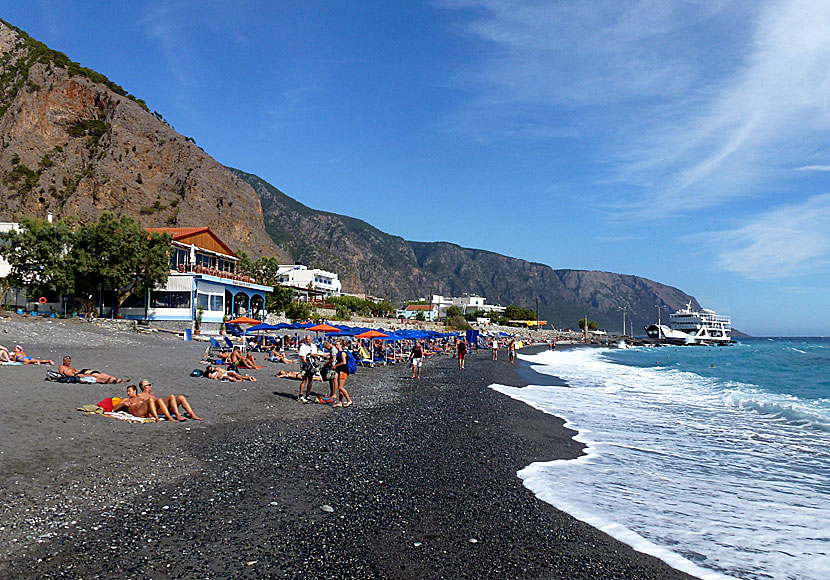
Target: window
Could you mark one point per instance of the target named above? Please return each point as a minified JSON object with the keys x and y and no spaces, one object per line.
{"x":217,"y":303}
{"x":163,"y":299}
{"x":202,"y":300}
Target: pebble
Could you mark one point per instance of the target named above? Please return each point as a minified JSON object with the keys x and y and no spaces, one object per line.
{"x":326,"y":508}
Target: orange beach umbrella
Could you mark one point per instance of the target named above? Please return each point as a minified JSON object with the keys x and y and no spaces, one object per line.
{"x":323,"y":328}
{"x":245,"y":320}
{"x":371,"y":334}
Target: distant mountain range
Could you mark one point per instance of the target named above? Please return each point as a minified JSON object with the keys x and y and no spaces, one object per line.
{"x":72,"y":142}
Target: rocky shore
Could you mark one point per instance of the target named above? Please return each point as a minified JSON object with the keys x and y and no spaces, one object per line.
{"x":416,"y":480}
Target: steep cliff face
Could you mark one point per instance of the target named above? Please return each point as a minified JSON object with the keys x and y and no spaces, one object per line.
{"x":369,"y":260}
{"x":75,"y":144}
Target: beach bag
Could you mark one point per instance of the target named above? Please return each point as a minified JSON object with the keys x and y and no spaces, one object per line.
{"x":351,"y":364}
{"x":53,"y":376}
{"x":196,"y":373}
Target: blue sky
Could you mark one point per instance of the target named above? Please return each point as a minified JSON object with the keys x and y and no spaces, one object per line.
{"x":686,"y":142}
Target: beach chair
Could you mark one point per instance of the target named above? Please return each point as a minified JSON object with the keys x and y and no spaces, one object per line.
{"x":215,"y":346}
{"x":363,"y":358}
{"x":234,"y":329}
{"x":231,"y":345}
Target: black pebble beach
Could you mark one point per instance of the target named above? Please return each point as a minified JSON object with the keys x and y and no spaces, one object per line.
{"x":416,"y":480}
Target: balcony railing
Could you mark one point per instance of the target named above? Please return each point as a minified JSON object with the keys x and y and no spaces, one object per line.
{"x":212,"y":271}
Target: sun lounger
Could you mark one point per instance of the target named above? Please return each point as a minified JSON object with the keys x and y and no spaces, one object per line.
{"x":214,"y":345}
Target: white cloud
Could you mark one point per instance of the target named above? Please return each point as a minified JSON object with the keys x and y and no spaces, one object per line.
{"x":689,"y":104}
{"x":813,"y":168}
{"x":789,"y":240}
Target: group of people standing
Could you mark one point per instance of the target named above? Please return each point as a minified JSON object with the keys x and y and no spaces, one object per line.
{"x":332,"y":363}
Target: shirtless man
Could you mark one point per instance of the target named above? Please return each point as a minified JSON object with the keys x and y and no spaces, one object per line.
{"x":66,"y":370}
{"x":137,"y":406}
{"x":21,"y":356}
{"x":240,"y":360}
{"x":218,"y":373}
{"x":170,"y":402}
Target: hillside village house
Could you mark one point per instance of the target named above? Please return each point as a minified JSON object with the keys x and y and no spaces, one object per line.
{"x":410,"y":312}
{"x":320,"y":281}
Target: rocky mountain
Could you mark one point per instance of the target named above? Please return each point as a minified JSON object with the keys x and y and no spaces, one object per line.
{"x":73,"y":143}
{"x":371,"y":261}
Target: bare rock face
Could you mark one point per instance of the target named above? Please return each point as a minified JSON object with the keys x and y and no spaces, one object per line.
{"x":72,"y":143}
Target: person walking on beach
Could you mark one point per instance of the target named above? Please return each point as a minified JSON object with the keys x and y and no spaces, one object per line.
{"x":329,"y":359}
{"x":341,"y":367}
{"x":495,"y":348}
{"x":308,"y":351}
{"x":461,"y":347}
{"x":511,"y":351}
{"x":417,"y":359}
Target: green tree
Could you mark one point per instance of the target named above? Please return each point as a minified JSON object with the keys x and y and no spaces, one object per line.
{"x":471,"y":316}
{"x":279,"y":299}
{"x":591,"y":324}
{"x":420,"y":316}
{"x":299,"y":311}
{"x":119,"y":255}
{"x":38,"y":256}
{"x":453,"y":311}
{"x":457,"y":322}
{"x":514,"y":312}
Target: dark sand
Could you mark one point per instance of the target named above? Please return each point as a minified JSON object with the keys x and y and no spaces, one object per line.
{"x":415,"y":471}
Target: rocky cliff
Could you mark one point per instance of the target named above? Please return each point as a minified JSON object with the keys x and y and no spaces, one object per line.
{"x":74,"y":143}
{"x":371,"y":261}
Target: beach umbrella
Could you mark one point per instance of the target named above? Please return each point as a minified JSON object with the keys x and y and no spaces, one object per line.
{"x":324,"y":328}
{"x":372,"y":334}
{"x":245,"y":320}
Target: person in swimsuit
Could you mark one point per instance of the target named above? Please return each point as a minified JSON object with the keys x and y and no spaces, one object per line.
{"x":294,"y":375}
{"x":341,"y":368}
{"x":169,"y":403}
{"x":218,"y":373}
{"x":137,"y":406}
{"x":66,"y":370}
{"x":5,"y":355}
{"x":21,"y":356}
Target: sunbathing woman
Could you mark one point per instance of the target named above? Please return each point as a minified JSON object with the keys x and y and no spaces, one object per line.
{"x":5,"y":355}
{"x":218,"y":373}
{"x":21,"y":356}
{"x":137,"y":406}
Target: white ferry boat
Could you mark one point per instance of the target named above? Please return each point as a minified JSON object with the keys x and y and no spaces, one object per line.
{"x":691,"y":326}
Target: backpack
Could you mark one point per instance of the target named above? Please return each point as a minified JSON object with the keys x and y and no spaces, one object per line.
{"x":351,"y":364}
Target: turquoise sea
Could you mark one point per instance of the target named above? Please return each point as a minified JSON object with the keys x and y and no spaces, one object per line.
{"x":716,"y":460}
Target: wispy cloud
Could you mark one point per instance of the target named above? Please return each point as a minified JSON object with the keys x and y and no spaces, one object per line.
{"x":688,"y":105}
{"x":789,"y":240}
{"x":813,"y":168}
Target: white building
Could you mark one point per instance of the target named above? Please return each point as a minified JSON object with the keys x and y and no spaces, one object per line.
{"x":467,"y":303}
{"x":5,"y":268}
{"x":300,"y":276}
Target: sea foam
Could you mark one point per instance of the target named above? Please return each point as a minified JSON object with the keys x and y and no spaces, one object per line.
{"x":717,"y":478}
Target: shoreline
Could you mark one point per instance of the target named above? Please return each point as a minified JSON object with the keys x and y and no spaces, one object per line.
{"x":414,"y":471}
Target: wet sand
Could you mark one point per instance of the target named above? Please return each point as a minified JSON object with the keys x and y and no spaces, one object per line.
{"x":421,"y":475}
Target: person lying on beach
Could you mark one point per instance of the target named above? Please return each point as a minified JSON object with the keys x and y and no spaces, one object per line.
{"x":21,"y":356}
{"x":241,"y":360}
{"x":218,"y":373}
{"x":295,"y":375}
{"x":137,"y":406}
{"x":5,"y":355}
{"x":170,"y":402}
{"x":66,"y":370}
